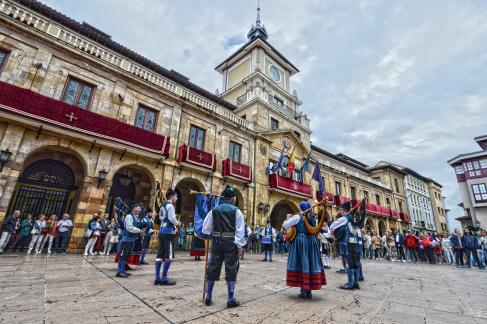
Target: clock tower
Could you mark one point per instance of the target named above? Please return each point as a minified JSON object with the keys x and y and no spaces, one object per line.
{"x":256,"y":79}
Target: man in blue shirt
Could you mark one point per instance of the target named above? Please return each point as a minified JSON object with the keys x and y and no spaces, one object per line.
{"x":168,"y":223}
{"x":131,"y":232}
{"x":149,"y":230}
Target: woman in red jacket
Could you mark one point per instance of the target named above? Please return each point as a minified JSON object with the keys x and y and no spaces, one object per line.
{"x":50,"y":233}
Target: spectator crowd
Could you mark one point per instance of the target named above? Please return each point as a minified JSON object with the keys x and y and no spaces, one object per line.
{"x":42,"y":233}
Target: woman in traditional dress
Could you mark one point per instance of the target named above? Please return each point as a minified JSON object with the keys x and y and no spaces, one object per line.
{"x":304,"y":265}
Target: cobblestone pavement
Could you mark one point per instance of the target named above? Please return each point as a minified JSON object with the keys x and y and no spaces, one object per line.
{"x":70,"y":288}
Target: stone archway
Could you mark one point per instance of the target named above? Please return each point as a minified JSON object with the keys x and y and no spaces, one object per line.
{"x":49,"y":183}
{"x":186,"y":202}
{"x":132,"y":184}
{"x":369,"y":224}
{"x":382,"y":227}
{"x":240,"y":203}
{"x":280,"y":211}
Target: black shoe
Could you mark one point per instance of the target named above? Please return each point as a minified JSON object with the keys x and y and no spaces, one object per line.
{"x":341,"y":271}
{"x":167,"y":282}
{"x":309,"y":294}
{"x":347,"y":287}
{"x":270,"y":260}
{"x":303,"y":295}
{"x":143,"y":263}
{"x":233,"y":303}
{"x":157,"y":282}
{"x":207,"y":302}
{"x":361,"y":279}
{"x":121,"y":275}
{"x":128,"y":274}
{"x":127,"y":268}
{"x":327,"y":267}
{"x":264,"y":260}
{"x":356,"y":286}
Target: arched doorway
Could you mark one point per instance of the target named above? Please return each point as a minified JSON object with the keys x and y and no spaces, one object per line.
{"x":48,"y":184}
{"x":382,"y":228}
{"x":132,"y":185}
{"x":369,"y":224}
{"x":280,"y":211}
{"x":186,"y":202}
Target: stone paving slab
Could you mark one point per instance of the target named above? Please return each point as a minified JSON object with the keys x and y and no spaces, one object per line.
{"x":75,"y":289}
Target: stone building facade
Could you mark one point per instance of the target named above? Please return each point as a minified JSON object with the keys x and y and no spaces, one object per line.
{"x":84,"y":120}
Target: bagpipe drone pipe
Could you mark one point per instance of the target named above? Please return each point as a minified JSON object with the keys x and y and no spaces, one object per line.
{"x":311,"y":227}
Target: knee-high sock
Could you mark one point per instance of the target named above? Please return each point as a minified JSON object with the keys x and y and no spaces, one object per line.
{"x":243,"y":252}
{"x":265,"y":254}
{"x":158,"y":269}
{"x":165,"y":269}
{"x":355,"y":275}
{"x":230,"y":290}
{"x":350,"y":275}
{"x":344,"y":263}
{"x":142,"y":255}
{"x":209,"y":289}
{"x":270,"y":255}
{"x":121,"y":266}
{"x":360,"y":274}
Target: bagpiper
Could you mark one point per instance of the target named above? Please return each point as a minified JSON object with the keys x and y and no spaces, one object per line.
{"x":168,"y":223}
{"x":268,"y":236}
{"x":131,"y":232}
{"x":304,"y":266}
{"x":346,"y":229}
{"x":149,"y":225}
{"x":225,"y":224}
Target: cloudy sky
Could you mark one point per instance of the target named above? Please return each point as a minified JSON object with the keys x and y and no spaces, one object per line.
{"x":403,"y":81}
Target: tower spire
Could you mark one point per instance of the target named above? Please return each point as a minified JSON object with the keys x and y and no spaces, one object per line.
{"x":257,"y":31}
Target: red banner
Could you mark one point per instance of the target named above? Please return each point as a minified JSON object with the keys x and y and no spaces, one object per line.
{"x":286,"y":184}
{"x":26,"y":103}
{"x":237,"y":170}
{"x":197,"y":157}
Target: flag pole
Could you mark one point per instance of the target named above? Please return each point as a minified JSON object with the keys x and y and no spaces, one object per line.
{"x":207,"y":247}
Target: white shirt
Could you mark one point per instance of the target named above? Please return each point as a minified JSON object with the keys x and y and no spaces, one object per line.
{"x":288,"y":223}
{"x":64,"y":225}
{"x":129,"y":224}
{"x":171,"y":214}
{"x":239,"y":227}
{"x":339,"y":222}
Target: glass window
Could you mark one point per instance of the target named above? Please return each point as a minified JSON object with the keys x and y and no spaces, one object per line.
{"x":197,"y":137}
{"x":366,"y":194}
{"x":388,"y":202}
{"x":353,"y":192}
{"x":234,"y":151}
{"x":338,"y":188}
{"x":78,"y":93}
{"x":483,"y":164}
{"x":469,"y":166}
{"x":377,"y":199}
{"x":145,"y":118}
{"x":396,"y":183}
{"x":479,"y":192}
{"x":274,"y":124}
{"x":476,"y":165}
{"x":3,"y":58}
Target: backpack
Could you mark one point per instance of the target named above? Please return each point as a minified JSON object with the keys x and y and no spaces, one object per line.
{"x":157,"y":219}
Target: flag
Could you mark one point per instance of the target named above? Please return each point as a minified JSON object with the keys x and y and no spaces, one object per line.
{"x":201,"y":208}
{"x":317,"y":177}
{"x":306,"y":164}
{"x":280,"y":163}
{"x":291,"y":164}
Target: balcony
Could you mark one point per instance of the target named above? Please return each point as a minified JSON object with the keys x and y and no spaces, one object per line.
{"x":394,"y":214}
{"x":236,"y":170}
{"x":340,"y":200}
{"x":328,"y":196}
{"x":289,"y":186}
{"x":405,"y":217}
{"x":199,"y":158}
{"x":286,"y":110}
{"x":46,"y":111}
{"x":378,"y":210}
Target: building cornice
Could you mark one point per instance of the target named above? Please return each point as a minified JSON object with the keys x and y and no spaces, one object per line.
{"x":27,"y":18}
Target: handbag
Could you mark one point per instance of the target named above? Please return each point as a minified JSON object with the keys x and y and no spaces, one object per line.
{"x":114,"y":239}
{"x":33,"y":231}
{"x":88,"y":233}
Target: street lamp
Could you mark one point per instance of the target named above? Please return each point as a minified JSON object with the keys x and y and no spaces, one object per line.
{"x":4,"y":157}
{"x":260,"y":207}
{"x":102,"y":176}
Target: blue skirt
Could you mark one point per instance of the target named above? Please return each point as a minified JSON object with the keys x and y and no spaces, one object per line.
{"x":304,"y":265}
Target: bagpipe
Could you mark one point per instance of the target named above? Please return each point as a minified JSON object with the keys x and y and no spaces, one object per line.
{"x":204,"y":203}
{"x":121,"y":209}
{"x":308,"y":223}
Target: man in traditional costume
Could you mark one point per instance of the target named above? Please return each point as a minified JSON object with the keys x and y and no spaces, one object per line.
{"x":167,"y":230}
{"x":225,"y":224}
{"x":304,"y":266}
{"x":197,"y":248}
{"x":132,"y":230}
{"x":346,"y":229}
{"x":326,"y":241}
{"x":149,"y":225}
{"x":268,"y":235}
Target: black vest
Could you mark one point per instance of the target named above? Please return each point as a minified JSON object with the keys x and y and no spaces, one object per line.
{"x":224,"y":219}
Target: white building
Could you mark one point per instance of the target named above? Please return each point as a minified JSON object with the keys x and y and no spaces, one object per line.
{"x":419,"y":201}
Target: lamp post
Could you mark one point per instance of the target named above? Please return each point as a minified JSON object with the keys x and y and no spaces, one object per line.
{"x":102,"y":176}
{"x":4,"y":157}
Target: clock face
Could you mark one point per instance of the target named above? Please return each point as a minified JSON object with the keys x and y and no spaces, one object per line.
{"x":274,"y":73}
